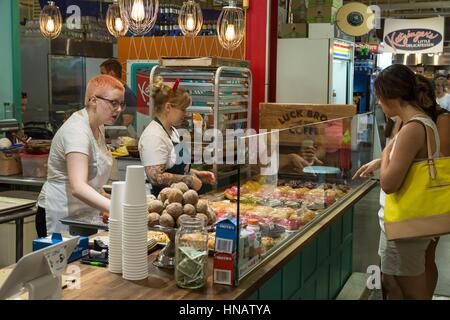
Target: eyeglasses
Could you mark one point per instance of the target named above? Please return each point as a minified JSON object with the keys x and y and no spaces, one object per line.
{"x":114,"y":103}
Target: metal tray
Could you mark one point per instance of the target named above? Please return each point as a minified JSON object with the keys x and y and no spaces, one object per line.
{"x":10,"y":204}
{"x":85,"y":220}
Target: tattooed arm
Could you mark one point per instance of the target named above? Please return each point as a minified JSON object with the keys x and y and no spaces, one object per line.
{"x":158,"y":176}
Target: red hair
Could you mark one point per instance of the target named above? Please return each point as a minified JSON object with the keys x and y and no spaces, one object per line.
{"x":101,"y":83}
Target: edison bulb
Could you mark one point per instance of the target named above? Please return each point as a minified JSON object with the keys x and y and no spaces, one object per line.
{"x":230,"y":33}
{"x":190,"y":26}
{"x":50,"y":25}
{"x":137,"y":11}
{"x":118,"y":24}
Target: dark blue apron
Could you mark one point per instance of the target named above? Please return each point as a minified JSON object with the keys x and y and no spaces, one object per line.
{"x":178,"y":169}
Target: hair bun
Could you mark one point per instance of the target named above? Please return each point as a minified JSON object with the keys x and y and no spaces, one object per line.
{"x":423,"y":92}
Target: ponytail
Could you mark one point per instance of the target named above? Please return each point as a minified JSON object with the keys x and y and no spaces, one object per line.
{"x":425,"y":97}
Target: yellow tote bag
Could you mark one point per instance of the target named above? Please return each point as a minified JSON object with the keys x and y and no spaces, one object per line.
{"x":421,"y":208}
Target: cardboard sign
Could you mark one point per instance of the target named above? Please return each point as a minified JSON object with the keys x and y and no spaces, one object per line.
{"x":294,"y":119}
{"x":414,"y":35}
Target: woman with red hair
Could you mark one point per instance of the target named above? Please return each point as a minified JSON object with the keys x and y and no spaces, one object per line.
{"x":79,"y":163}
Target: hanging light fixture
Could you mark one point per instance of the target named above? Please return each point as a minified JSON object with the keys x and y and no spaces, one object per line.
{"x":231,"y":26}
{"x":50,"y":21}
{"x":140,"y":14}
{"x":190,"y":19}
{"x":116,"y":24}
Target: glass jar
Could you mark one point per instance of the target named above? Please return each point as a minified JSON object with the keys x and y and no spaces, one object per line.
{"x":191,"y":254}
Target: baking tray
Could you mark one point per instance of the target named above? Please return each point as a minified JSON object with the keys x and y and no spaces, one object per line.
{"x":9,"y":204}
{"x":90,"y":220}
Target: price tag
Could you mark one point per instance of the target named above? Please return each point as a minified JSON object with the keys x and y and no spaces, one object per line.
{"x":57,"y":260}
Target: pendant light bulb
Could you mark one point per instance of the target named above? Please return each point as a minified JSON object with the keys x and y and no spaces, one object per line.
{"x":231,"y":26}
{"x":190,"y":22}
{"x":138,"y":12}
{"x":50,"y":27}
{"x":50,"y":21}
{"x":115,"y":22}
{"x":139,"y":15}
{"x":190,"y":18}
{"x":230,"y":34}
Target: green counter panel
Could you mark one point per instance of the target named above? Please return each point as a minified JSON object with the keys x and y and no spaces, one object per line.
{"x":319,"y":271}
{"x":309,"y":260}
{"x":272,"y":289}
{"x":292,"y":277}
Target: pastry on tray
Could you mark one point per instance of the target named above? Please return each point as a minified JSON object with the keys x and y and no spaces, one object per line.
{"x":160,"y":237}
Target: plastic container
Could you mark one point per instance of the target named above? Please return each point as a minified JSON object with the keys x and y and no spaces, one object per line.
{"x":34,"y":165}
{"x":191,"y":254}
{"x":244,"y":246}
{"x":253,"y":224}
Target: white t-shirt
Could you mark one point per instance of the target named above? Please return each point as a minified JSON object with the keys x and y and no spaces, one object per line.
{"x":444,"y":102}
{"x":155,"y":146}
{"x":75,"y":135}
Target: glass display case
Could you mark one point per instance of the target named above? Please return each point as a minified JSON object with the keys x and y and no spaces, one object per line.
{"x":299,"y":175}
{"x":221,"y":101}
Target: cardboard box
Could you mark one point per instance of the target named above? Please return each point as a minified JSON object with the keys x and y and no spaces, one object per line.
{"x":10,"y":164}
{"x":321,"y":14}
{"x":80,"y":250}
{"x":226,"y":236}
{"x":332,"y":3}
{"x":298,"y":11}
{"x":294,"y":30}
{"x":321,"y":31}
{"x":224,"y":268}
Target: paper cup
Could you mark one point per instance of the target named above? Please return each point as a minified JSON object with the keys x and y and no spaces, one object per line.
{"x":117,"y":199}
{"x":135,"y":186}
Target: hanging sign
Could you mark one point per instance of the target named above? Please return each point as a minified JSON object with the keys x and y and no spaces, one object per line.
{"x":414,"y":35}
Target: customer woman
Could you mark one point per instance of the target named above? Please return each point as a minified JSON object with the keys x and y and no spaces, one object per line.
{"x":79,"y":162}
{"x":443,"y":98}
{"x":402,"y":94}
{"x":164,"y":162}
{"x":443,"y":126}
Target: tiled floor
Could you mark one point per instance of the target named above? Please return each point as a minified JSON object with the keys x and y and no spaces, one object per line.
{"x":365,"y":244}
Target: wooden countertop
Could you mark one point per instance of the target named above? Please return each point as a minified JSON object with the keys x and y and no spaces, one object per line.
{"x":99,"y":283}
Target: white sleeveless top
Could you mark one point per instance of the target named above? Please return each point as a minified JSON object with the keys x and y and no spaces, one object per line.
{"x":429,"y":123}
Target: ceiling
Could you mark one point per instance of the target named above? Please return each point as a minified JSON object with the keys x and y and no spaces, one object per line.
{"x":410,"y":8}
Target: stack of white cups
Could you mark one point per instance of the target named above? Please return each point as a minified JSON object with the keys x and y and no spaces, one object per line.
{"x":115,"y":227}
{"x":134,"y":226}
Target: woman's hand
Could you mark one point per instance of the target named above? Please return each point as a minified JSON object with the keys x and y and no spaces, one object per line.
{"x":309,"y":155}
{"x":206,"y":176}
{"x":105,"y":216}
{"x":298,"y":162}
{"x":196,"y":183}
{"x":367,"y":170}
{"x":105,"y":194}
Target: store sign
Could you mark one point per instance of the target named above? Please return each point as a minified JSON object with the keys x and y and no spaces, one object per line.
{"x":296,"y":117}
{"x":414,"y":35}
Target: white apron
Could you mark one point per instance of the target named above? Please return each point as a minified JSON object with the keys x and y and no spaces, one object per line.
{"x":59,"y":200}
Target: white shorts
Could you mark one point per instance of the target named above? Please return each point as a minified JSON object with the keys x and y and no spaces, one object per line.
{"x":402,"y":257}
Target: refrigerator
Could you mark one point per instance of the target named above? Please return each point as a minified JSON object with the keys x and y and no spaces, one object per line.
{"x":315,"y":71}
{"x":55,"y":74}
